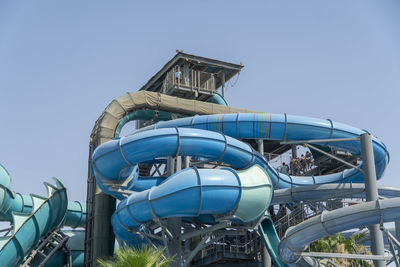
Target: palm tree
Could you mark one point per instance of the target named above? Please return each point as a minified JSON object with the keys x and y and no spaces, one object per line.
{"x":339,"y":244}
{"x":145,"y":257}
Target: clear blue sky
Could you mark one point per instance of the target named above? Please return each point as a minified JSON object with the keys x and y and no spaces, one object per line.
{"x":62,"y":62}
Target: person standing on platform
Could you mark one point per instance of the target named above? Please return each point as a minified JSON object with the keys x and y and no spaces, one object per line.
{"x":284,"y":168}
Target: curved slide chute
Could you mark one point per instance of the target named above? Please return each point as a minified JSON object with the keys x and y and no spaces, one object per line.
{"x":33,"y":217}
{"x":30,"y":228}
{"x":115,"y":161}
{"x":329,"y":191}
{"x":283,"y":127}
{"x":234,"y":191}
{"x":298,"y":237}
{"x":271,"y":240}
{"x":213,"y":138}
{"x":193,"y":192}
{"x":316,"y":193}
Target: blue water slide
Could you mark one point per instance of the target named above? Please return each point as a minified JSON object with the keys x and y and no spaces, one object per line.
{"x":192,"y":192}
{"x":116,"y":160}
{"x":283,"y":127}
{"x":214,"y":138}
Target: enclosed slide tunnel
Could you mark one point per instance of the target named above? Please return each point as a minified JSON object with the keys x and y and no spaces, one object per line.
{"x":115,"y":161}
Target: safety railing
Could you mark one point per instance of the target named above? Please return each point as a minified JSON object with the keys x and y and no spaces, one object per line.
{"x":189,"y":79}
{"x":238,"y":247}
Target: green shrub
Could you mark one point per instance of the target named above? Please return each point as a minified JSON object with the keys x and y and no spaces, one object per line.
{"x":145,"y":257}
{"x":339,"y":244}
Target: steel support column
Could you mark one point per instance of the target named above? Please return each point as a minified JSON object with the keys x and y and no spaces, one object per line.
{"x":223,"y":83}
{"x":371,"y":191}
{"x":397,"y":228}
{"x":294,"y":151}
{"x":186,"y":162}
{"x":260,"y":143}
{"x":265,"y":257}
{"x":174,"y":224}
{"x":103,"y":235}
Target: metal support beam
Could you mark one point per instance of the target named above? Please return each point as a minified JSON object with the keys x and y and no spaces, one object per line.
{"x":103,"y":235}
{"x":199,"y":247}
{"x":174,"y":244}
{"x":332,"y":263}
{"x":174,"y":224}
{"x":223,"y":83}
{"x":265,"y":257}
{"x":170,"y":166}
{"x":178,"y":163}
{"x":260,"y":143}
{"x":299,"y":142}
{"x":392,"y":238}
{"x":395,"y":258}
{"x":371,"y":190}
{"x":205,"y":230}
{"x":294,"y":151}
{"x":397,"y":228}
{"x":148,"y":235}
{"x":334,"y":157}
{"x":186,"y":162}
{"x":379,"y":258}
{"x":156,"y":170}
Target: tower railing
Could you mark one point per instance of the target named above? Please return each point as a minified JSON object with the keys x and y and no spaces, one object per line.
{"x":193,"y":80}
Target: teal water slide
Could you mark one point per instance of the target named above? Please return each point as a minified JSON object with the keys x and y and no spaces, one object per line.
{"x":33,"y":218}
{"x":271,"y":240}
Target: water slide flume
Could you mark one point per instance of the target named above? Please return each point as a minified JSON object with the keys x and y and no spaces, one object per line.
{"x":33,"y":217}
{"x":244,"y":195}
{"x":271,"y":240}
{"x":283,"y":127}
{"x":115,"y":161}
{"x":211,"y":138}
{"x":192,"y":192}
{"x":29,"y":228}
{"x":297,"y":238}
{"x":329,"y":191}
{"x":315,"y":193}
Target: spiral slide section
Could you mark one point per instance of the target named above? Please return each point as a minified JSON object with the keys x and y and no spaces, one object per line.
{"x":33,"y":217}
{"x":283,"y":127}
{"x":243,"y":195}
{"x":215,"y":138}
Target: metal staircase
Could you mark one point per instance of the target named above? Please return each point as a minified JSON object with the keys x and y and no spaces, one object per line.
{"x":55,"y":241}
